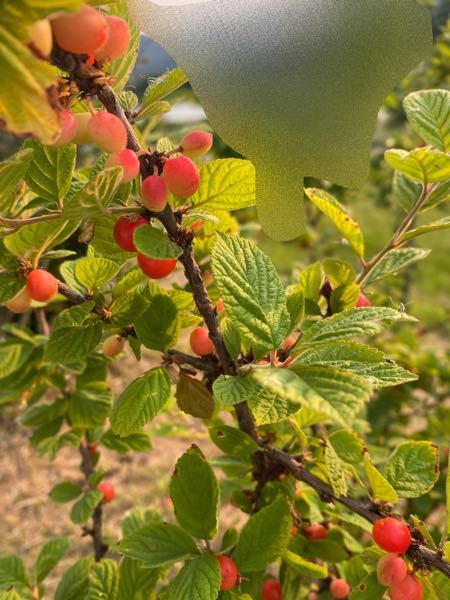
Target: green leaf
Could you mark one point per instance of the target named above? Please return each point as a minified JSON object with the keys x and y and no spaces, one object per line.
{"x":92,"y":273}
{"x":428,"y":228}
{"x":359,"y":359}
{"x":158,"y":544}
{"x":231,"y":337}
{"x":74,"y":584}
{"x":12,"y":572}
{"x":85,"y":506}
{"x":72,"y":344}
{"x":304,"y":567}
{"x":38,"y":237}
{"x":104,"y":243}
{"x":122,"y":67}
{"x":154,"y":243}
{"x":12,"y":171}
{"x":65,"y":492}
{"x":138,"y":442}
{"x":92,"y":200}
{"x":347,"y":445}
{"x":311,"y":281}
{"x":381,"y":488}
{"x":295,"y":303}
{"x":90,"y":406}
{"x":339,"y":272}
{"x":163,"y":86}
{"x":335,"y":471}
{"x":158,"y":328}
{"x":104,"y":581}
{"x":395,"y":260}
{"x":425,"y":165}
{"x":140,"y":402}
{"x":49,"y":556}
{"x":155,"y":109}
{"x":195,"y":494}
{"x":50,"y":171}
{"x":193,"y":397}
{"x":350,"y":229}
{"x":24,"y":82}
{"x":335,"y":394}
{"x":264,"y":538}
{"x":447,"y":490}
{"x":428,"y":113}
{"x":368,"y":589}
{"x":344,"y":297}
{"x":233,"y":441}
{"x":252,"y":292}
{"x":351,"y":323}
{"x":413,"y":469}
{"x":226,"y":184}
{"x":10,"y":285}
{"x":135,"y":581}
{"x":199,"y":578}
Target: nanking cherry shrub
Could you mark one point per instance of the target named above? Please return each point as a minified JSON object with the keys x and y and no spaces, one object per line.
{"x":103,"y":353}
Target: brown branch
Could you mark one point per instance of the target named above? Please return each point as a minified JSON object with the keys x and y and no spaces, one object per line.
{"x":206,"y":364}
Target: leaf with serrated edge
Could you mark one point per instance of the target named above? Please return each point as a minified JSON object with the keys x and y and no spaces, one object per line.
{"x":84,"y":507}
{"x":395,"y":260}
{"x":335,"y":471}
{"x":381,"y":488}
{"x":49,"y":556}
{"x":154,"y":243}
{"x":413,"y":468}
{"x":50,"y":171}
{"x":199,"y":579}
{"x":426,"y":165}
{"x":428,"y":113}
{"x":92,"y":200}
{"x":104,"y":580}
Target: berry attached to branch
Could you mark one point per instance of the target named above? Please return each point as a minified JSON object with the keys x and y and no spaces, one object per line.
{"x":156,"y":268}
{"x":108,"y":491}
{"x":117,"y":42}
{"x":391,"y":569}
{"x":200,"y":341}
{"x":124,"y":230}
{"x":113,"y":345}
{"x":196,"y":143}
{"x":392,"y":535}
{"x":154,"y":192}
{"x":409,"y":589}
{"x":21,"y":301}
{"x":41,"y":285}
{"x":363,"y":301}
{"x":81,"y":32}
{"x":68,"y":128}
{"x":82,"y":132}
{"x":271,"y":589}
{"x":339,"y":589}
{"x":315,"y":531}
{"x":181,"y":176}
{"x":129,"y":162}
{"x":229,"y":572}
{"x":107,"y":131}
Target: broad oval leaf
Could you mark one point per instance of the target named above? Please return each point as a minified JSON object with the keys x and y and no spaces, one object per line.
{"x":199,"y":578}
{"x":413,"y":468}
{"x":428,"y":113}
{"x":154,"y":243}
{"x":425,"y":165}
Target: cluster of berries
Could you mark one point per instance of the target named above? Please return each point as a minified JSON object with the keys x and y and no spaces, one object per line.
{"x":394,"y":536}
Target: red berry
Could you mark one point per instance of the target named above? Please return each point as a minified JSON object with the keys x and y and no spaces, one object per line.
{"x":93,"y":449}
{"x":154,"y":192}
{"x":391,"y":569}
{"x":41,"y":36}
{"x":339,"y":589}
{"x":392,"y":535}
{"x":408,"y":589}
{"x":196,"y":143}
{"x":81,"y":132}
{"x":289,"y":342}
{"x":21,"y":302}
{"x":363,"y":301}
{"x":68,"y":128}
{"x":271,"y":589}
{"x":313,"y":596}
{"x":156,"y":268}
{"x":117,"y":42}
{"x":80,"y":32}
{"x":108,"y":490}
{"x":124,"y":230}
{"x":41,"y":285}
{"x":181,"y":176}
{"x":315,"y":531}
{"x":197,"y":225}
{"x":113,"y":345}
{"x":294,"y":531}
{"x":220,"y":306}
{"x":229,"y":572}
{"x":107,"y":131}
{"x":201,"y":343}
{"x":129,"y":162}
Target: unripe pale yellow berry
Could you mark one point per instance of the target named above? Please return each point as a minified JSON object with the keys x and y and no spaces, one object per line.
{"x":113,"y":345}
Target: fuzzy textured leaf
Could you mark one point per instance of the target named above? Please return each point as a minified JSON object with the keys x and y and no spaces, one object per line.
{"x":413,"y":468}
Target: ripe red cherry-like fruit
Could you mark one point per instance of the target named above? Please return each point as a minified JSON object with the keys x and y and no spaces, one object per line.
{"x":117,"y":42}
{"x":181,"y":176}
{"x":229,"y":572}
{"x":68,"y":128}
{"x":196,"y":143}
{"x":21,"y":302}
{"x":315,"y":531}
{"x":156,"y":268}
{"x":80,"y":32}
{"x":200,"y":341}
{"x":391,"y":569}
{"x":41,"y":285}
{"x":271,"y":589}
{"x":408,"y":589}
{"x":108,"y":491}
{"x":154,"y":192}
{"x":124,"y":230}
{"x":392,"y":535}
{"x":363,"y":301}
{"x":339,"y":589}
{"x":113,"y":345}
{"x":107,"y":131}
{"x":129,"y":162}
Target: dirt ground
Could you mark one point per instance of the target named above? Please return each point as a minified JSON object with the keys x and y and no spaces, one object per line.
{"x":29,"y":517}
